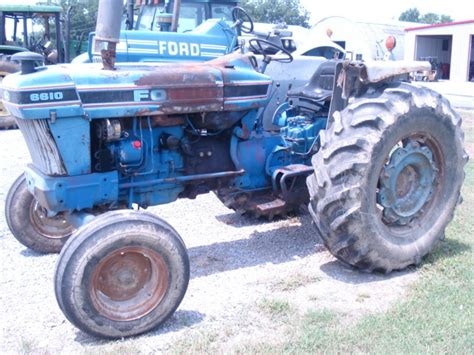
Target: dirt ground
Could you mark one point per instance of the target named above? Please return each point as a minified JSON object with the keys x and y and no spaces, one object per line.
{"x":242,"y":272}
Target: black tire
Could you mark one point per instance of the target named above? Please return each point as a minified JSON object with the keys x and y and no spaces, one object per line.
{"x":357,"y":148}
{"x":29,"y":223}
{"x":6,"y":120}
{"x":122,"y":274}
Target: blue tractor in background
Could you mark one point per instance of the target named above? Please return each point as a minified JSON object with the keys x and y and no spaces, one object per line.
{"x":175,"y":30}
{"x":378,"y":161}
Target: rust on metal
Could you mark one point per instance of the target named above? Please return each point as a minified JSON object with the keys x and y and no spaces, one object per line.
{"x":166,"y":121}
{"x":189,"y":88}
{"x":129,"y":283}
{"x":108,"y":56}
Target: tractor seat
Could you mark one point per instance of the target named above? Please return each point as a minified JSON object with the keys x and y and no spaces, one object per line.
{"x":320,"y":86}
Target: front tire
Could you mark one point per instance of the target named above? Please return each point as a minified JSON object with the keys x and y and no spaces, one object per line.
{"x":122,"y":274}
{"x":29,"y":222}
{"x":388,"y":178}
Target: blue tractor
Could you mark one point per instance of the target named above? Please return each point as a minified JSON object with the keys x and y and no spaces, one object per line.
{"x":193,"y":30}
{"x":378,"y":161}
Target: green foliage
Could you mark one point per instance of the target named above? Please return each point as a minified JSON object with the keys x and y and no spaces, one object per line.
{"x":277,"y":11}
{"x":414,"y":15}
{"x":432,"y":18}
{"x":83,"y":15}
{"x":410,"y":15}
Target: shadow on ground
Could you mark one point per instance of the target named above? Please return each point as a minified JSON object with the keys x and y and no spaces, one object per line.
{"x":238,"y":220}
{"x":179,"y":320}
{"x":347,"y":274}
{"x":446,"y":249}
{"x":344,"y":273}
{"x":275,"y":246}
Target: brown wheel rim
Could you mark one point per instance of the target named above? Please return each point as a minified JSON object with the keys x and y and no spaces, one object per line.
{"x":55,"y":227}
{"x":129,"y":283}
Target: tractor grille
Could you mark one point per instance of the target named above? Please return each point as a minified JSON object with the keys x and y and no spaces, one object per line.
{"x":42,"y":147}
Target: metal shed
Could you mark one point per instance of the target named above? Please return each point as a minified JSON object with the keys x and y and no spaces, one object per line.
{"x":449,"y":46}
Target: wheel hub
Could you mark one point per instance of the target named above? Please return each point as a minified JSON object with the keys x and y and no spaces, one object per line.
{"x":50,"y":227}
{"x":129,"y":283}
{"x":406,"y":183}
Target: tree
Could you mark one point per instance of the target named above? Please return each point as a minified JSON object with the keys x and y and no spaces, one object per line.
{"x":83,"y":15}
{"x":413,"y":15}
{"x":445,"y":19}
{"x":430,"y":18}
{"x":410,"y":15}
{"x":276,"y":11}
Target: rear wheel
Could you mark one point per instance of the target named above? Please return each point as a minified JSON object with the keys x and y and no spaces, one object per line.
{"x":6,"y":120}
{"x":30,"y":223}
{"x":122,"y":274}
{"x":388,"y":178}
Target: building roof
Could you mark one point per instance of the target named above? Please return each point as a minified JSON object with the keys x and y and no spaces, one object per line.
{"x":439,"y":25}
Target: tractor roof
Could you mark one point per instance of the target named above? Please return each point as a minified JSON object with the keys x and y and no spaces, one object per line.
{"x":32,"y":9}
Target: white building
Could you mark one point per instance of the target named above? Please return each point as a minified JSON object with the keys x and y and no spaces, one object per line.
{"x":451,"y":45}
{"x":364,"y":39}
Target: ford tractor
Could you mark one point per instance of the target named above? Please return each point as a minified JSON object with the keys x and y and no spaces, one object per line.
{"x":379,"y":163}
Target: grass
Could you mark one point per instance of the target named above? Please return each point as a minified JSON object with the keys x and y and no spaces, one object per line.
{"x":436,"y":317}
{"x":198,"y":342}
{"x":294,"y":281}
{"x":275,"y":308}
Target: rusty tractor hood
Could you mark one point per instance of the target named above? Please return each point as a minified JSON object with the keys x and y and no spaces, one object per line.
{"x":229,"y":83}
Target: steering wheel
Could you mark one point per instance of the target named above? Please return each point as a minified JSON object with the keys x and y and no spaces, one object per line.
{"x":260,"y":46}
{"x":240,"y":16}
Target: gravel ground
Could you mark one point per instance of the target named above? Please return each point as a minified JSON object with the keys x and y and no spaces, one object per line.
{"x":241,"y":269}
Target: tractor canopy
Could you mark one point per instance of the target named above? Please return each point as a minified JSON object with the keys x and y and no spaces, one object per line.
{"x":17,"y":19}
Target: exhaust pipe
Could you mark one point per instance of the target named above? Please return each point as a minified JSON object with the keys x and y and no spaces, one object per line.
{"x":107,"y":31}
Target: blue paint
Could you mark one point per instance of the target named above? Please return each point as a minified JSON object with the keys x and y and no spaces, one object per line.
{"x":155,"y":162}
{"x":213,"y":38}
{"x":62,"y":193}
{"x":72,"y":138}
{"x":407,"y":183}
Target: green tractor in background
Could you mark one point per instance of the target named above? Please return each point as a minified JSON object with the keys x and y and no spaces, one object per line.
{"x":28,"y":28}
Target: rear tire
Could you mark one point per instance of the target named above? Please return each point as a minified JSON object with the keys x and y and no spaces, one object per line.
{"x":122,"y":274}
{"x":29,"y":222}
{"x":388,"y":178}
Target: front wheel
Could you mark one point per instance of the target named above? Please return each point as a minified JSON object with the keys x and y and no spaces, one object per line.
{"x":122,"y":274}
{"x":388,"y":178}
{"x":30,"y":223}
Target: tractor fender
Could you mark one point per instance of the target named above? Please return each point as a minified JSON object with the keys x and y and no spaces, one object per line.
{"x":352,"y":78}
{"x":376,"y":71}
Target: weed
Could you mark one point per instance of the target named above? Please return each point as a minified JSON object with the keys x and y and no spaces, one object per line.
{"x":294,"y":281}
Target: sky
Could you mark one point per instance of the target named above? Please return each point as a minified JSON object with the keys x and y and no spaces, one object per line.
{"x":369,"y":9}
{"x":386,"y":10}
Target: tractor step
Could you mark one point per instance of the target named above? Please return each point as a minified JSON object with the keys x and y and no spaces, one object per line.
{"x":275,"y":206}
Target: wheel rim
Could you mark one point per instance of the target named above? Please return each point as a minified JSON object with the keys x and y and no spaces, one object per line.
{"x":129,"y":283}
{"x":50,"y":227}
{"x":407,"y":181}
